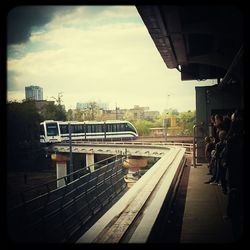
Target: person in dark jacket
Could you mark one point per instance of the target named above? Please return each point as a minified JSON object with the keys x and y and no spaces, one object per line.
{"x":209,"y":146}
{"x":234,"y":162}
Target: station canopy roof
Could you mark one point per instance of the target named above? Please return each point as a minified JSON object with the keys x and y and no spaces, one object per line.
{"x":202,"y":42}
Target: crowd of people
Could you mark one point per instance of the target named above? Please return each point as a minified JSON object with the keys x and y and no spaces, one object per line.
{"x":224,"y":152}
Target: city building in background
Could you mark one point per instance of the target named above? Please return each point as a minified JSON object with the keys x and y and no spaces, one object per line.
{"x":85,"y":105}
{"x":34,"y":93}
{"x":102,"y":112}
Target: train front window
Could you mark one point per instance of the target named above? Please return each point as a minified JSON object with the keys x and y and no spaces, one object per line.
{"x":129,"y":127}
{"x":52,"y":129}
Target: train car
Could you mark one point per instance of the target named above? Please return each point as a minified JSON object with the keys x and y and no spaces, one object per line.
{"x":58,"y":131}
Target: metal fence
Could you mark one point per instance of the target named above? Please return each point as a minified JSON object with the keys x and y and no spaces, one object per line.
{"x":58,"y":214}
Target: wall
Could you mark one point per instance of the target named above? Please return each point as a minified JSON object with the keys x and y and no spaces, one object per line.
{"x":211,"y":100}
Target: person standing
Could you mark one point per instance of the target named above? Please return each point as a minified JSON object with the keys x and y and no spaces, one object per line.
{"x":234,"y":160}
{"x":209,"y":146}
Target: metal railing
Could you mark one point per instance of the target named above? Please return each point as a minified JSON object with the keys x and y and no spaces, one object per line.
{"x":58,"y":214}
{"x":200,"y":131}
{"x":194,"y":146}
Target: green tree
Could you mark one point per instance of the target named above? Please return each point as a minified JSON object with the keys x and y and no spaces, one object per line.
{"x":23,"y":121}
{"x":187,"y":120}
{"x":128,"y":116}
{"x":91,"y":112}
{"x":53,"y":112}
{"x":69,"y":115}
{"x":159,"y":121}
{"x":23,"y":132}
{"x":58,"y":99}
{"x":143,"y":127}
{"x":78,"y":116}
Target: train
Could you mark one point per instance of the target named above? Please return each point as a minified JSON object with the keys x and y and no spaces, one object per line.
{"x":58,"y":131}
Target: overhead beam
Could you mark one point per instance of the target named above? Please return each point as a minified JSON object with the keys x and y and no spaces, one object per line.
{"x":230,"y":71}
{"x":153,"y":20}
{"x":172,"y":22}
{"x":210,"y":59}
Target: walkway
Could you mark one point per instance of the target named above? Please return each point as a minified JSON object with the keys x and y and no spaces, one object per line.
{"x":204,"y":209}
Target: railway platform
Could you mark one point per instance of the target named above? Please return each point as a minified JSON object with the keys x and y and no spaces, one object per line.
{"x":205,"y":208}
{"x":197,"y":214}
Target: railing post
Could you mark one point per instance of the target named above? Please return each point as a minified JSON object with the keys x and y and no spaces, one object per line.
{"x":70,"y":153}
{"x":90,"y":161}
{"x":194,"y":147}
{"x":61,"y":171}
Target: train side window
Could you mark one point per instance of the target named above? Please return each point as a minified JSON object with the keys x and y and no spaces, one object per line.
{"x":64,"y":129}
{"x":82,"y":128}
{"x":98,"y":128}
{"x":73,"y":128}
{"x":42,"y":132}
{"x":79,"y":128}
{"x":109,"y":128}
{"x":93,"y":128}
{"x":118,"y":127}
{"x":122,"y":127}
{"x":128,"y":128}
{"x":88,"y":128}
{"x":113,"y":127}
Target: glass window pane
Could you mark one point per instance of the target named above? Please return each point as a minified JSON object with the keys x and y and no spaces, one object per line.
{"x":88,"y":128}
{"x":52,"y":129}
{"x":42,"y":130}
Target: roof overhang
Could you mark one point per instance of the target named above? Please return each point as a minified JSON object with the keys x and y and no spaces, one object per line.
{"x":203,"y":42}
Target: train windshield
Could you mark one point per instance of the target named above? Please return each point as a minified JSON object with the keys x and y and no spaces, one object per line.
{"x":129,"y":127}
{"x":52,"y":129}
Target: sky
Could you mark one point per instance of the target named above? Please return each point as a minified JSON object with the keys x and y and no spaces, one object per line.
{"x":91,"y":53}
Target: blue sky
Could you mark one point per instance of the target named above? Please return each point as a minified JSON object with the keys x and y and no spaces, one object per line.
{"x":92,"y":53}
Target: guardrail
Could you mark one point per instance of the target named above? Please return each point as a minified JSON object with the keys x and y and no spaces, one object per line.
{"x":56,"y":215}
{"x":133,"y":217}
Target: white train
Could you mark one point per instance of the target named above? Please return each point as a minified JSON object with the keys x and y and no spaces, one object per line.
{"x":57,"y":131}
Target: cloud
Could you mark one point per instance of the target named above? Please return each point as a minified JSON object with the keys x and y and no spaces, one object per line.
{"x":22,"y":19}
{"x":13,"y":83}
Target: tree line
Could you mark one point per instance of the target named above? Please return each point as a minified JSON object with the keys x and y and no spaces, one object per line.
{"x":184,"y":120}
{"x":23,"y":131}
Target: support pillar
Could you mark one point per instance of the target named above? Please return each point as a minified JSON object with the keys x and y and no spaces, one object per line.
{"x":90,"y":161}
{"x":61,"y":171}
{"x":61,"y":167}
{"x":133,"y":165}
